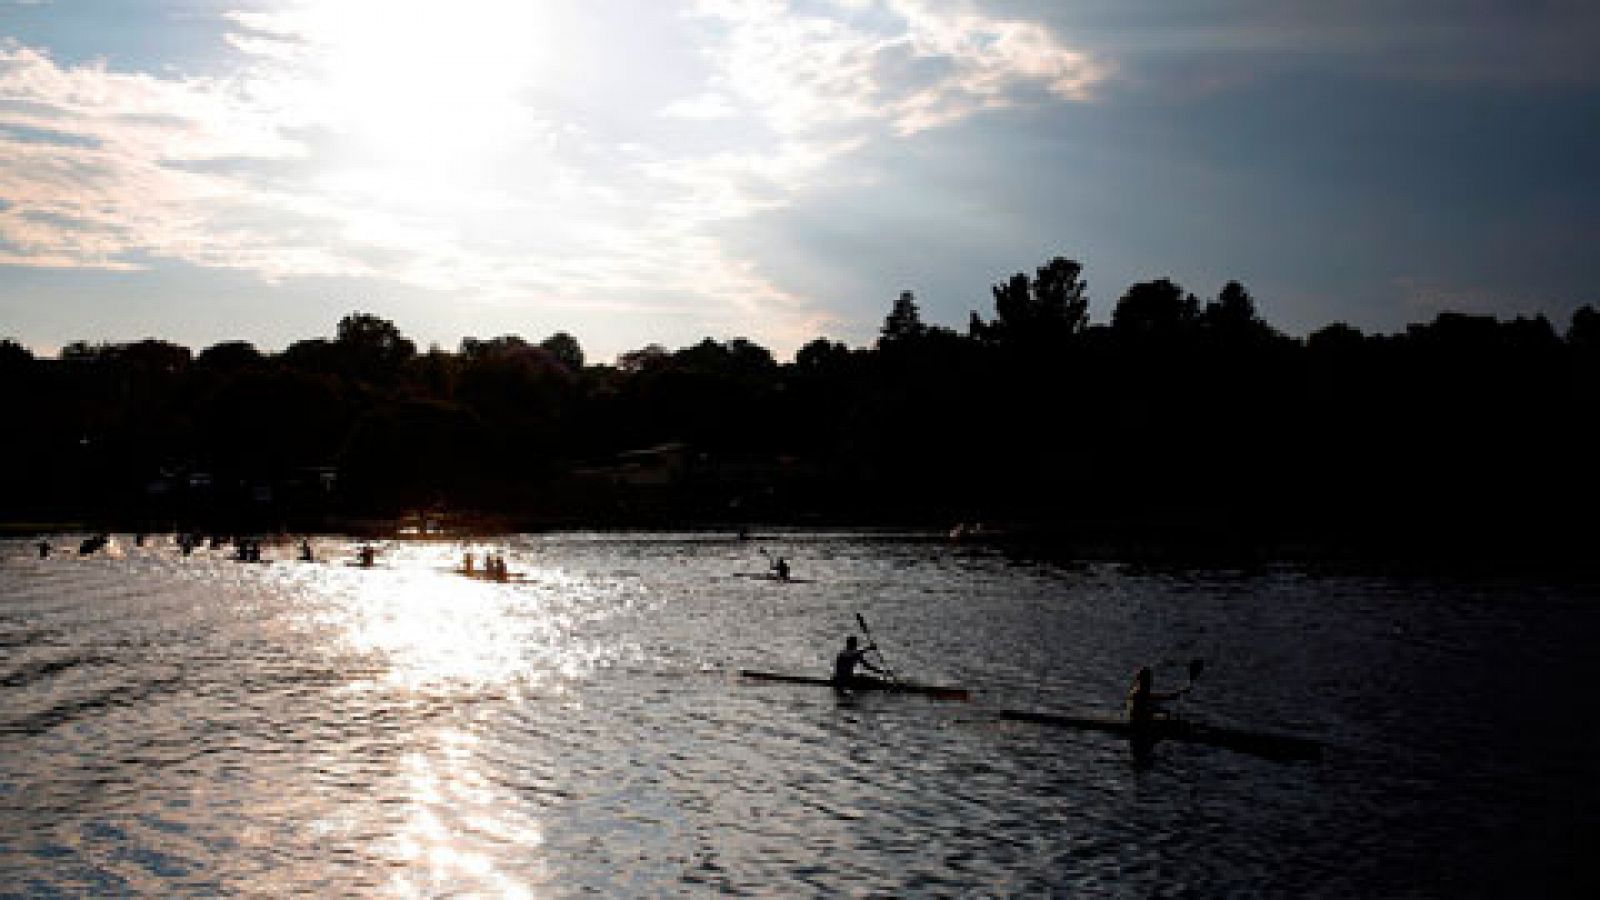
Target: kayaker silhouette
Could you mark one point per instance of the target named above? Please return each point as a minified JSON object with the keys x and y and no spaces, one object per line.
{"x":1144,"y":703}
{"x":778,"y":565}
{"x":1144,"y":708}
{"x":844,"y":665}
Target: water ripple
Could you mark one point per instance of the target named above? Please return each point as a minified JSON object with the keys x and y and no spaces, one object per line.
{"x":193,"y":726}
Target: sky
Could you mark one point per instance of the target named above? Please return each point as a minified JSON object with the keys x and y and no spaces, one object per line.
{"x":660,"y":171}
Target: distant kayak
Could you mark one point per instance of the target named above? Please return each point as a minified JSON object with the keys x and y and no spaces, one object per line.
{"x":1280,"y":747}
{"x":770,"y":576}
{"x":480,"y":575}
{"x":864,"y":683}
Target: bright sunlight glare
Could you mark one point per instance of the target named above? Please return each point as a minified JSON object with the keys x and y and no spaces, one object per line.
{"x":434,"y":85}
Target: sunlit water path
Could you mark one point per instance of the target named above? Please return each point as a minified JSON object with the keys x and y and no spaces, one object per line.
{"x":195,"y":726}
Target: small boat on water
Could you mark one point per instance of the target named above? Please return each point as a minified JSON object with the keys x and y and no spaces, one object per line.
{"x":1281,"y":747}
{"x":481,"y":575}
{"x":864,"y":683}
{"x":772,"y":576}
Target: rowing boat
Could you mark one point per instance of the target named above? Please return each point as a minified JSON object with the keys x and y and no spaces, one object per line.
{"x":1281,"y":747}
{"x":864,"y":683}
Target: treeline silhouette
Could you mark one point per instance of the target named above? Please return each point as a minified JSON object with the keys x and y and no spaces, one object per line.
{"x":1177,"y":424}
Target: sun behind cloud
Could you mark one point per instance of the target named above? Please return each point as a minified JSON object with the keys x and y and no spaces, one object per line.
{"x":559,"y":157}
{"x":426,"y":86}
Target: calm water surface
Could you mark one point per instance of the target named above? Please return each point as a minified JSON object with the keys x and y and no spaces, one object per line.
{"x":175,"y":726}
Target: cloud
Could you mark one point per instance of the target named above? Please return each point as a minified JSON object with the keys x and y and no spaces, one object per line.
{"x":709,"y":105}
{"x":86,"y":175}
{"x":453,"y":152}
{"x":1198,"y":45}
{"x":908,"y":65}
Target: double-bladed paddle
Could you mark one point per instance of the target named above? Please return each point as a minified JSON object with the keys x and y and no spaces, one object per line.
{"x":873,"y":643}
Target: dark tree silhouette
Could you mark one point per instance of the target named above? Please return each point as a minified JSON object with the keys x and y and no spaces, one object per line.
{"x":13,"y":355}
{"x":85,"y":352}
{"x":565,"y":348}
{"x":644,"y":359}
{"x":1154,"y":309}
{"x":229,"y":356}
{"x":822,"y":356}
{"x":904,"y":322}
{"x":1170,"y":427}
{"x":1051,"y":306}
{"x":153,"y":356}
{"x":1584,"y":332}
{"x":372,"y":347}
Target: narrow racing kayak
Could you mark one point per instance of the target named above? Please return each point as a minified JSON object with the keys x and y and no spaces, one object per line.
{"x":1280,"y":747}
{"x":864,"y":683}
{"x":772,"y":576}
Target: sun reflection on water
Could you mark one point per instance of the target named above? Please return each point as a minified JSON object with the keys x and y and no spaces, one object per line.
{"x":440,"y":819}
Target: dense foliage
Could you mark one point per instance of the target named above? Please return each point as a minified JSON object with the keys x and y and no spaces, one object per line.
{"x":1176,"y":421}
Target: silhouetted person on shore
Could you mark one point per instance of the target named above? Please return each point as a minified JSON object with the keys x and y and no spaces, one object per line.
{"x":468,"y":567}
{"x":368,"y":554}
{"x":844,"y":665}
{"x":44,"y":549}
{"x":305,"y":551}
{"x":780,"y":569}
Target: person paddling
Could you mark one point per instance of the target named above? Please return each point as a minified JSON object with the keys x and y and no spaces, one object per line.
{"x":844,"y":665}
{"x":1144,"y":702}
{"x":780,"y":569}
{"x":1144,"y":712}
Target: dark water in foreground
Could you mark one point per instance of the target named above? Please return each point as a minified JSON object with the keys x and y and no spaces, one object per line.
{"x":174,"y":727}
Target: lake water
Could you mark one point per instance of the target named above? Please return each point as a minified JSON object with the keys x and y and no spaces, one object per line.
{"x":175,"y":726}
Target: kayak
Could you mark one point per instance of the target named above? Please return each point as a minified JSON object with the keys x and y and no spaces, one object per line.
{"x":769,"y":576}
{"x":864,"y":683}
{"x":1281,"y":747}
{"x":480,"y":575}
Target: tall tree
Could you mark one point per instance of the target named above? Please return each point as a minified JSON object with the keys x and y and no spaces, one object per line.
{"x":1059,"y":299}
{"x":904,"y":321}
